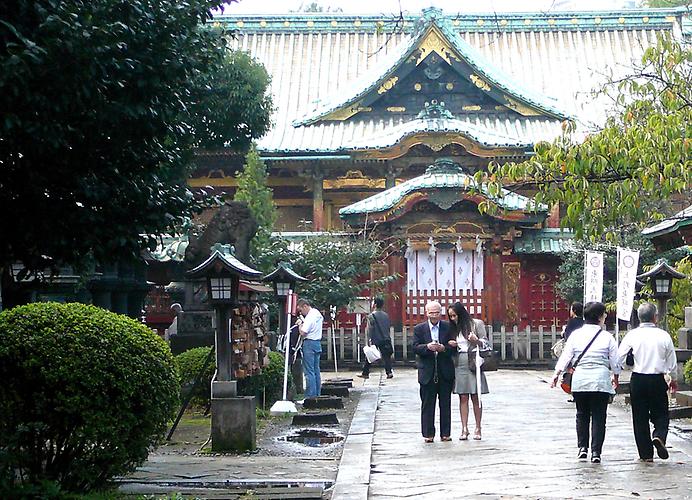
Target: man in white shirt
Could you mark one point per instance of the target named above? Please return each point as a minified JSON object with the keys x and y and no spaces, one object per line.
{"x":654,"y":356}
{"x":310,"y":328}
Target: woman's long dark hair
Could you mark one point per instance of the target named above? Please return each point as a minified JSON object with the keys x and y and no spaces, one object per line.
{"x":464,"y":322}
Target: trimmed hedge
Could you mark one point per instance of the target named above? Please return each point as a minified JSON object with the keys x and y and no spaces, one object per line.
{"x":687,"y":371}
{"x":266,"y":387}
{"x":85,"y":394}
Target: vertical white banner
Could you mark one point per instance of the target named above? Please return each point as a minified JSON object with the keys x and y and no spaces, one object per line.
{"x":593,"y":277}
{"x":628,"y":260}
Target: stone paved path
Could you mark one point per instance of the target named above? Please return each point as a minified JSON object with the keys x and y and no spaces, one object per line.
{"x":528,"y":449}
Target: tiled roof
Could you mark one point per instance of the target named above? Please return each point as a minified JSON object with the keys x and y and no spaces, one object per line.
{"x":565,"y":55}
{"x":548,"y":240}
{"x":680,"y":219}
{"x":442,"y":175}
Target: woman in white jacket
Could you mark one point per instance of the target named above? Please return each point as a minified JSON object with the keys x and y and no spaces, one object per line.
{"x":592,"y":385}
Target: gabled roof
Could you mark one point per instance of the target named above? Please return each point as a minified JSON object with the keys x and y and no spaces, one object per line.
{"x":434,"y":34}
{"x":443,"y":175}
{"x":563,"y":54}
{"x":222,"y":255}
{"x":680,"y":219}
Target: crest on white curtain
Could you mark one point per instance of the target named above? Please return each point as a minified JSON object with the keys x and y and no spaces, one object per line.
{"x":432,"y":250}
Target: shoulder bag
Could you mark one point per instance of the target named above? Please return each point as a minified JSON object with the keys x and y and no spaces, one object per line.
{"x":491,"y":359}
{"x":566,"y":383}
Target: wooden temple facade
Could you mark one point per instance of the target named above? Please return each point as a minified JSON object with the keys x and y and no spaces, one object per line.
{"x":380,"y":124}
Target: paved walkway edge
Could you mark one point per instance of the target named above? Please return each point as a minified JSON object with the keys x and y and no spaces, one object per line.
{"x":353,"y":477}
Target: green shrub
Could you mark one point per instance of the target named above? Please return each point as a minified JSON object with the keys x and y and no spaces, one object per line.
{"x":85,"y":394}
{"x":268,"y":386}
{"x":189,"y":365}
{"x":687,"y":371}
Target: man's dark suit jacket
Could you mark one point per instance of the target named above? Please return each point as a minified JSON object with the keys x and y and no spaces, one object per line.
{"x":425,"y":358}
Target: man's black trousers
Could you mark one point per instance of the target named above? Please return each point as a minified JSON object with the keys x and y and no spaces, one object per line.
{"x":430,"y":393}
{"x":649,"y":400}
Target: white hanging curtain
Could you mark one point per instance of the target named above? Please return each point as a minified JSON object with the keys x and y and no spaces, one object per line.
{"x":448,"y":269}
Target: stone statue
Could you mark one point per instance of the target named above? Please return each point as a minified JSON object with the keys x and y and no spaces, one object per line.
{"x":232,"y":224}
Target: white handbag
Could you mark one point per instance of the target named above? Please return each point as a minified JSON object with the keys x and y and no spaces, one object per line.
{"x":372,"y":353}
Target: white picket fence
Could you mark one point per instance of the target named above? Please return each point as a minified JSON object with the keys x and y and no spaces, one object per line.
{"x":513,"y":344}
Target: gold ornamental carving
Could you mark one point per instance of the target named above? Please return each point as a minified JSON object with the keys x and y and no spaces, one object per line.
{"x":396,"y":109}
{"x":479,"y":82}
{"x":510,"y":286}
{"x":473,"y":107}
{"x":388,"y":85}
{"x":520,"y":108}
{"x":347,"y":112}
{"x":353,"y":179}
{"x":434,"y":41}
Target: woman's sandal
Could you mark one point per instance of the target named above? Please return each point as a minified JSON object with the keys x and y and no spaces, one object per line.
{"x":464,"y":436}
{"x":477,"y":435}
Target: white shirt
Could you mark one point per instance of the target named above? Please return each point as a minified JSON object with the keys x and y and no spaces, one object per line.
{"x":434,"y":331}
{"x":652,"y":348}
{"x":593,"y":371}
{"x":312,"y":325}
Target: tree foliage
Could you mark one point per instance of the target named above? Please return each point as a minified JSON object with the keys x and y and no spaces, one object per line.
{"x":104,"y":103}
{"x":620,"y":174}
{"x":337,"y":267}
{"x":253,"y":190}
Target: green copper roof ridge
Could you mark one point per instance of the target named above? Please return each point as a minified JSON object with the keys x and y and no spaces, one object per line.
{"x":607,"y":19}
{"x":420,"y":182}
{"x":470,"y":55}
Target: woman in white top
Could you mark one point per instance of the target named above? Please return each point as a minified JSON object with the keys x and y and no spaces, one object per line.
{"x":467,"y":333}
{"x":592,"y":386}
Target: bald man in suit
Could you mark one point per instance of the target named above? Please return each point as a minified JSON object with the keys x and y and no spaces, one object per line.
{"x":435,"y":371}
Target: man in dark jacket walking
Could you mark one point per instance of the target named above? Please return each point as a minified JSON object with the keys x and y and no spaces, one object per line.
{"x":378,"y":332}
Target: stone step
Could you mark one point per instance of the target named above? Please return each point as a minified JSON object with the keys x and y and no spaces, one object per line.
{"x":315,"y":418}
{"x":335,"y":390}
{"x":680,"y":412}
{"x":684,"y":398}
{"x":323,"y":402}
{"x":347,"y":382}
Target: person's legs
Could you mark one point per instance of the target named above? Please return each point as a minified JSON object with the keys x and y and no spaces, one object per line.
{"x":366,"y":368}
{"x":599,"y":410}
{"x":309,"y":368}
{"x":639,"y":401}
{"x":582,"y":402}
{"x":387,"y":360}
{"x":316,"y":364}
{"x":658,"y":397}
{"x":428,"y":397}
{"x":445,"y":397}
{"x":464,"y":410}
{"x":477,"y":412}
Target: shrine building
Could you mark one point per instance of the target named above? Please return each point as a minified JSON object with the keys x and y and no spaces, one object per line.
{"x":381,"y":122}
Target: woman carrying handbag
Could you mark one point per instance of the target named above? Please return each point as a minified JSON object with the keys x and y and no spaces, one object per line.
{"x":593,"y":354}
{"x":467,"y":333}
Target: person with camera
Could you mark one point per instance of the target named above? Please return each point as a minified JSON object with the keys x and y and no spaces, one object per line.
{"x":310,"y":327}
{"x":435,"y":372}
{"x":654,"y":356}
{"x":593,"y":353}
{"x":378,"y":333}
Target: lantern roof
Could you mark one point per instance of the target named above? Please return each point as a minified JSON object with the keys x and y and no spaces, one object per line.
{"x":222,"y":258}
{"x":283,"y":272}
{"x":661,"y":268}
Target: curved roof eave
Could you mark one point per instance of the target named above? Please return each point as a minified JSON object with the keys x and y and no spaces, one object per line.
{"x":386,"y":200}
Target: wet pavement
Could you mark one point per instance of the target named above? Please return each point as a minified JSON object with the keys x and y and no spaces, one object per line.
{"x":528,"y":450}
